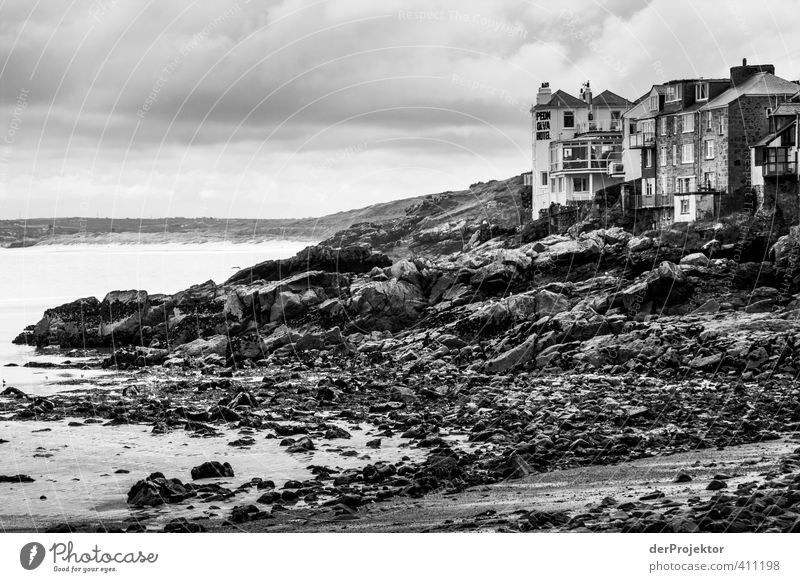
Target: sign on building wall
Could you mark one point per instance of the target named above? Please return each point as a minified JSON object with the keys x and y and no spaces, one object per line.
{"x":542,"y":125}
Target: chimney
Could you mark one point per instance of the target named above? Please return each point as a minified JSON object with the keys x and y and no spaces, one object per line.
{"x":740,"y":74}
{"x":544,"y":94}
{"x":586,"y":93}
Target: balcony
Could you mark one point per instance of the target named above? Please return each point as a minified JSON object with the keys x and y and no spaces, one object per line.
{"x":527,"y":179}
{"x":642,"y":201}
{"x":611,"y":125}
{"x":779,"y":169}
{"x":642,"y":140}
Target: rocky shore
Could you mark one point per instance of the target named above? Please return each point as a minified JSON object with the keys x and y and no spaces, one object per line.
{"x":497,"y":352}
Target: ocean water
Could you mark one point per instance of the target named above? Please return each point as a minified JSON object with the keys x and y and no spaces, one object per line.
{"x":36,"y":278}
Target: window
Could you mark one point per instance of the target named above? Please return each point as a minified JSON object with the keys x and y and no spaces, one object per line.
{"x":663,"y":123}
{"x":662,"y":185}
{"x":709,"y":121}
{"x":701,"y":92}
{"x":683,"y":185}
{"x":648,"y":158}
{"x":561,"y":184}
{"x":544,"y":178}
{"x":580,"y":184}
{"x":709,"y":149}
{"x":688,"y":122}
{"x":685,"y":206}
{"x":674,"y":154}
{"x":687,"y":153}
{"x":663,"y":160}
{"x":552,"y":184}
{"x":569,"y":119}
{"x":648,"y":188}
{"x":674,"y":93}
{"x":654,"y":103}
{"x":709,"y":180}
{"x":721,"y":124}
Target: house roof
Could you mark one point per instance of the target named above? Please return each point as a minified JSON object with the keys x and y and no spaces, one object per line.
{"x":787,"y":109}
{"x":562,"y":100}
{"x":610,"y":99}
{"x":773,"y":135}
{"x":759,"y":84}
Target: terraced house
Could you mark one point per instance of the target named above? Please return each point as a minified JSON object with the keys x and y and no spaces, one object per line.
{"x":693,"y":138}
{"x":775,"y":175}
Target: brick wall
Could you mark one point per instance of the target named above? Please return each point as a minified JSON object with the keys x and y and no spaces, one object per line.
{"x":675,"y":137}
{"x":747,"y":123}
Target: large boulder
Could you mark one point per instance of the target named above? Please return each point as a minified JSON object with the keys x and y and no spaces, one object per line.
{"x":386,"y":305}
{"x":122,"y":313}
{"x":157,"y":490}
{"x":287,"y":306}
{"x":358,"y":258}
{"x":73,"y":324}
{"x":569,"y":252}
{"x":211,"y":469}
{"x":665,"y":285}
{"x":200,"y":348}
{"x":514,"y":357}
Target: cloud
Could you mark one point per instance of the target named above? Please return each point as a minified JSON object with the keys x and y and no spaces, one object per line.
{"x":237,"y":107}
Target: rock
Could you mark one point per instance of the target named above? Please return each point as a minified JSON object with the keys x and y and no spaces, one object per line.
{"x":514,"y":357}
{"x":157,"y":490}
{"x":301,"y":446}
{"x":212,"y":469}
{"x":695,"y":260}
{"x":386,"y":305}
{"x":357,"y":258}
{"x":287,"y":306}
{"x":16,"y":479}
{"x":122,"y":313}
{"x":706,"y":362}
{"x":664,"y":285}
{"x":182,"y":525}
{"x":335,"y":432}
{"x":683,"y":478}
{"x":199,"y":348}
{"x":716,"y":484}
{"x":639,"y":243}
{"x":549,"y":303}
{"x":710,"y":306}
{"x":374,"y":444}
{"x":12,"y":392}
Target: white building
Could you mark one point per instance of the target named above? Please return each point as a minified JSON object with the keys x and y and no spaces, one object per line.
{"x":577,"y":145}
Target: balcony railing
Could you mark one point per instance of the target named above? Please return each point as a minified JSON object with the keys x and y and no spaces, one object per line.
{"x":595,"y":126}
{"x":639,"y":201}
{"x":593,"y":166}
{"x":773,"y":169}
{"x":642,"y":140}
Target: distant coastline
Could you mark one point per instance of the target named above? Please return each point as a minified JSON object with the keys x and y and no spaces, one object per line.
{"x":479,"y":201}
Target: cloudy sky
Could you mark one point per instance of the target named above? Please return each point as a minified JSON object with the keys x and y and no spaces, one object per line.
{"x":281,"y":108}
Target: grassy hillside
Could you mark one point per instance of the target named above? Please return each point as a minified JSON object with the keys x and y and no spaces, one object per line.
{"x":497,"y":200}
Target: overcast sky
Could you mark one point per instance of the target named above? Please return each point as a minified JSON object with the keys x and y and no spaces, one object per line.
{"x":274,"y":109}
